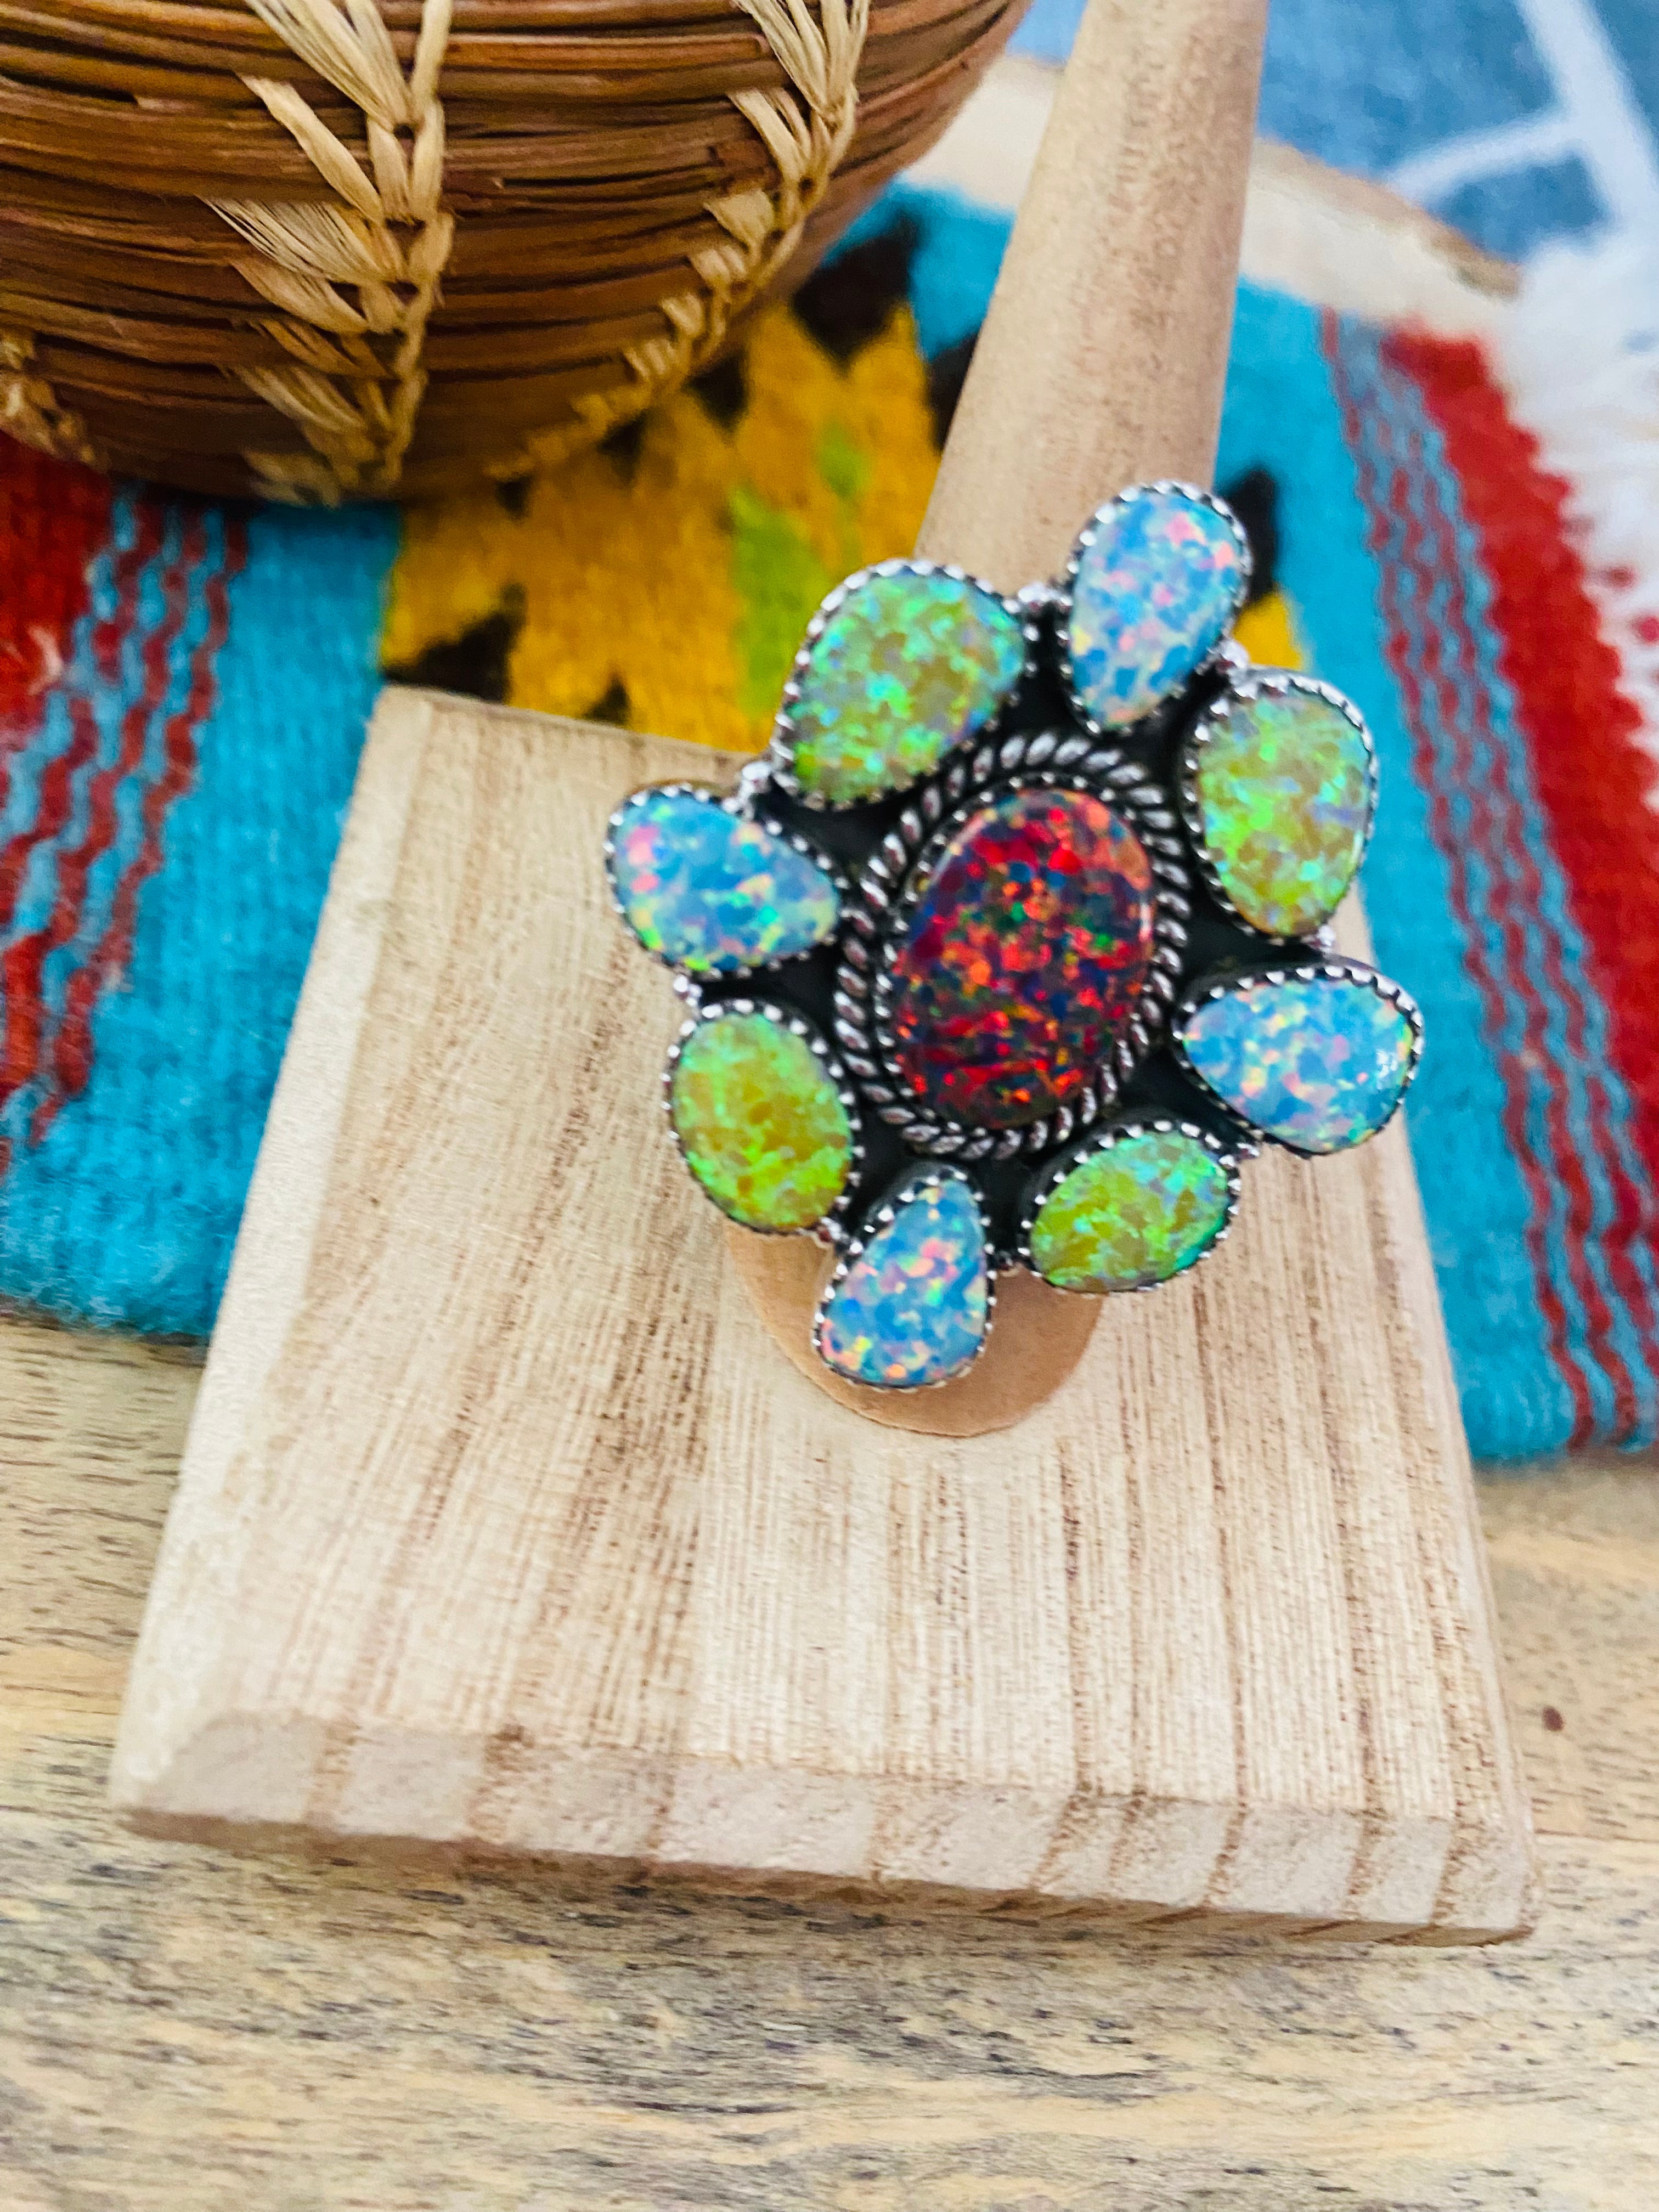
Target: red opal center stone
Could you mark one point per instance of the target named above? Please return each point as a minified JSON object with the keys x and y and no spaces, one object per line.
{"x":1024,"y":958}
{"x":1023,"y":961}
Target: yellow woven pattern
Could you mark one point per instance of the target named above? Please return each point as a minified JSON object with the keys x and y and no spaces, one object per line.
{"x":666,"y":583}
{"x":683,"y":578}
{"x":1267,"y":633}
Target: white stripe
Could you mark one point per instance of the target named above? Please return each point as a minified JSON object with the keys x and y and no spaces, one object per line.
{"x":1579,"y":357}
{"x":1438,"y":173}
{"x":1612,"y":136}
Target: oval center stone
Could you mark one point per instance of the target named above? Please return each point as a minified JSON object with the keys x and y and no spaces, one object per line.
{"x":1024,"y":958}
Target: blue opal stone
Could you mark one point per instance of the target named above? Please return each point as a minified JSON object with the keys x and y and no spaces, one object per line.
{"x":914,"y":1306}
{"x":1318,"y":1064}
{"x":707,"y":890}
{"x":1156,"y":588}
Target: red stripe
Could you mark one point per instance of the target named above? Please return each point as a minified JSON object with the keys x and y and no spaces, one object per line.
{"x":54,"y":518}
{"x":1515,"y":903}
{"x":23,"y":965}
{"x":1580,"y":732}
{"x":109,"y":638}
{"x":71,"y":1066}
{"x":1414,"y":653}
{"x":22,"y":1016}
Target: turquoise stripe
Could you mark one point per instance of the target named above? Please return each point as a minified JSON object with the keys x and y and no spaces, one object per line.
{"x":127,"y":1210}
{"x":1554,"y":941}
{"x":1485,"y":769}
{"x":1544,"y":914}
{"x":108,"y":709}
{"x":1281,"y":414}
{"x":128,"y":794}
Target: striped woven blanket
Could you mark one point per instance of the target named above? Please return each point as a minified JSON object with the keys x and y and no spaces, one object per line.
{"x":184,"y":688}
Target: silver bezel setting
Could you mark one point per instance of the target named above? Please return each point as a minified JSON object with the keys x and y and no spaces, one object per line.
{"x":781,"y":751}
{"x":1268,"y":682}
{"x":895,"y":880}
{"x":744,"y":805}
{"x":883,"y":1215}
{"x":1116,"y":732}
{"x":1147,"y":771}
{"x":827,"y":1228}
{"x":1105,"y":1140}
{"x":1252,"y":978}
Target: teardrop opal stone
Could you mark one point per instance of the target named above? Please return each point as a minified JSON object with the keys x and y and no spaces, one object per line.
{"x":915,"y":1306}
{"x":711,"y":892}
{"x":1139,"y":1212}
{"x":1282,"y":784}
{"x":760,"y":1122}
{"x":1318,"y":1064}
{"x":1153,"y":597}
{"x":908,"y":667}
{"x":1023,"y":960}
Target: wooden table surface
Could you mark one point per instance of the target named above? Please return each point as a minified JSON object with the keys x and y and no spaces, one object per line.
{"x":186,"y":2027}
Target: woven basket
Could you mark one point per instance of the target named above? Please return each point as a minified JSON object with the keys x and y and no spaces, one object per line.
{"x":320,"y":250}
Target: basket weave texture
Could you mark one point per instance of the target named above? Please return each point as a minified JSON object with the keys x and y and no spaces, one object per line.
{"x":322,"y":249}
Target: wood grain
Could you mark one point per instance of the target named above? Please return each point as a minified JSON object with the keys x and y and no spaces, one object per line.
{"x":1102,"y":359}
{"x":502,"y":1524}
{"x":183,"y":2027}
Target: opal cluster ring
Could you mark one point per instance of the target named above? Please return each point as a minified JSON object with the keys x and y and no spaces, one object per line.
{"x":1013,"y":945}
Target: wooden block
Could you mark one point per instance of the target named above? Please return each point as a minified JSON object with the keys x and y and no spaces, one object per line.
{"x":502,"y":1524}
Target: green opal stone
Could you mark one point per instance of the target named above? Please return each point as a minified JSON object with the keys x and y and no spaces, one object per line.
{"x":709,"y":890}
{"x":760,"y":1122}
{"x":908,"y":666}
{"x":1136,"y":1212}
{"x":1283,"y":786}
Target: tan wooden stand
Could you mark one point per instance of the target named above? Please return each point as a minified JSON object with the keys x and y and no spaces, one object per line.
{"x":503,"y":1526}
